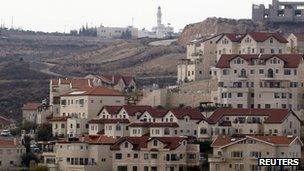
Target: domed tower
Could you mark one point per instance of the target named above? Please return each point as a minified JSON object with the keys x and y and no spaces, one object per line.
{"x":159,"y":17}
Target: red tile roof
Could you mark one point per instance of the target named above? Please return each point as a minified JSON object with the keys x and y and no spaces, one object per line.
{"x":31,"y":106}
{"x":138,"y":143}
{"x":193,"y":113}
{"x":76,"y":83}
{"x":58,"y":119}
{"x":108,"y":121}
{"x":113,"y":110}
{"x":133,"y":109}
{"x":274,"y":115}
{"x":263,"y":36}
{"x":221,"y":141}
{"x":154,"y":124}
{"x":157,"y":113}
{"x":232,"y":37}
{"x":96,"y":91}
{"x":291,"y":60}
{"x":114,"y":79}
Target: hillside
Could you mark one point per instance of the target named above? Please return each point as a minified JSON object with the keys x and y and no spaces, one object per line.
{"x":212,"y":26}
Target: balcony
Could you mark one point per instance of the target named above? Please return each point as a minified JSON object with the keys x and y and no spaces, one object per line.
{"x":217,"y":159}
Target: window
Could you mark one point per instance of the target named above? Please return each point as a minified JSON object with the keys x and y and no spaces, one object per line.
{"x":236,"y":154}
{"x":262,"y":50}
{"x":255,"y":154}
{"x":118,"y":156}
{"x":287,"y":72}
{"x":153,"y":156}
{"x":146,"y":156}
{"x":267,"y":106}
{"x":126,"y":145}
{"x":135,"y":155}
{"x":239,"y":94}
{"x":134,"y":168}
{"x":271,"y":40}
{"x":240,"y":106}
{"x":118,"y":127}
{"x":272,"y":51}
{"x":261,"y":71}
{"x":11,"y":162}
{"x":252,"y":71}
{"x":225,"y":72}
{"x":155,"y":143}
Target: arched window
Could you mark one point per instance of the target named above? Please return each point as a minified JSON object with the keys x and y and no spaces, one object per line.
{"x":271,"y":40}
{"x":238,"y":61}
{"x":243,"y":73}
{"x":155,"y":143}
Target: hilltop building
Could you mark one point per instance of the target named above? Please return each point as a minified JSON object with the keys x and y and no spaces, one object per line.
{"x":289,"y":12}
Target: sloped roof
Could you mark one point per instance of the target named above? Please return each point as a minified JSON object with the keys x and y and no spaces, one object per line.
{"x":291,"y":60}
{"x":273,"y":115}
{"x":232,"y":37}
{"x":263,"y":36}
{"x":114,"y":79}
{"x":157,"y":113}
{"x":222,"y":141}
{"x":138,"y":143}
{"x":31,"y":106}
{"x":193,"y":113}
{"x":154,"y":124}
{"x":76,"y":83}
{"x":108,"y":121}
{"x":130,"y":109}
{"x":113,"y":110}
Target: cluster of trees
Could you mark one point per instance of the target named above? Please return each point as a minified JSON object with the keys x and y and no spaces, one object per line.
{"x":86,"y":31}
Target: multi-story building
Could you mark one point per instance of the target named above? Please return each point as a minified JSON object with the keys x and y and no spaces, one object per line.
{"x":295,"y":43}
{"x":260,"y":81}
{"x":80,"y":106}
{"x":59,"y":87}
{"x":242,"y":152}
{"x":201,"y":54}
{"x":228,"y":121}
{"x":288,"y":12}
{"x":87,"y":153}
{"x":154,"y":154}
{"x":11,"y":152}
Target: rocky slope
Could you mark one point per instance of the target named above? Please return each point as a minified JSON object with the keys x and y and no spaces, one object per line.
{"x":214,"y":25}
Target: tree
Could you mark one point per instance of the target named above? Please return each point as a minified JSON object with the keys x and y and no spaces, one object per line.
{"x":44,"y":132}
{"x":28,"y":156}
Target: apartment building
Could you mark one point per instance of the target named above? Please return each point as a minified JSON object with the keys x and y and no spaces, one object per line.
{"x":11,"y":151}
{"x":114,"y":120}
{"x":80,"y":106}
{"x":228,"y":43}
{"x":229,"y":121}
{"x":241,"y":153}
{"x":295,"y":43}
{"x":63,"y":86}
{"x":154,"y":154}
{"x":260,"y":81}
{"x":154,"y":129}
{"x":59,"y":125}
{"x":87,"y":153}
{"x":201,"y":54}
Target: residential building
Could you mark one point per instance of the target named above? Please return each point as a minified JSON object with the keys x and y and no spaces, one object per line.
{"x":87,"y":153}
{"x":295,"y":43}
{"x":30,"y":111}
{"x":59,"y":87}
{"x":11,"y":152}
{"x":229,"y":121}
{"x":118,"y":82}
{"x":279,"y":12}
{"x":260,"y":81}
{"x":242,"y":152}
{"x":228,"y":43}
{"x":154,"y":129}
{"x":154,"y":154}
{"x":201,"y":55}
{"x":80,"y":106}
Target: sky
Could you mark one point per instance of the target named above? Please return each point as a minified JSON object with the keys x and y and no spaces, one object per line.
{"x":64,"y":15}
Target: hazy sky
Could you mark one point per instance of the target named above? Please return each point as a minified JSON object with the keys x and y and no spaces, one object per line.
{"x":60,"y":15}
